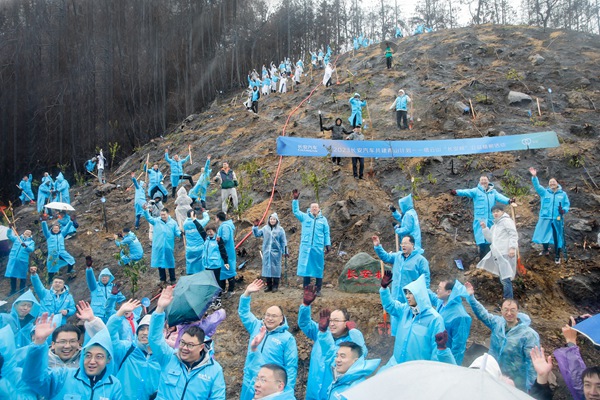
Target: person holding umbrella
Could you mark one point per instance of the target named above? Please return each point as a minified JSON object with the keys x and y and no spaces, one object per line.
{"x":554,"y":204}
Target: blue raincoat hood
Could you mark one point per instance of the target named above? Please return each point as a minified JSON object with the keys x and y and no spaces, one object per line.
{"x":106,"y":271}
{"x":489,"y":189}
{"x":419,"y":290}
{"x":102,"y":339}
{"x":458,"y":292}
{"x":60,"y":177}
{"x":406,"y":203}
{"x":27,"y":296}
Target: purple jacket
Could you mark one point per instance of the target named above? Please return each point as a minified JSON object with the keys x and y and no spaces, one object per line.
{"x":571,"y":367}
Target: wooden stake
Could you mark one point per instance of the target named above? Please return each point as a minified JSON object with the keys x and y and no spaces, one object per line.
{"x":472,"y":109}
{"x":538,"y":105}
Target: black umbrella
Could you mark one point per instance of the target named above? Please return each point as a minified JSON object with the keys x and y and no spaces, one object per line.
{"x":191,"y":297}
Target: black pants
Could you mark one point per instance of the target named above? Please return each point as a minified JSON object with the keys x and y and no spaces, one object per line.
{"x":318,"y":282}
{"x":483,"y":249}
{"x":401,"y":119}
{"x":157,"y":189}
{"x":13,"y":284}
{"x":272,"y":283}
{"x":556,"y":239}
{"x":184,"y":176}
{"x":336,"y":160}
{"x":254,"y":106}
{"x":388,"y":61}
{"x":163,"y":274}
{"x":328,"y":83}
{"x":223,"y":282}
{"x":356,"y":160}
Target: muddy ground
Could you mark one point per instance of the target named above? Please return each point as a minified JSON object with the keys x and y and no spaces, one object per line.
{"x":479,"y":64}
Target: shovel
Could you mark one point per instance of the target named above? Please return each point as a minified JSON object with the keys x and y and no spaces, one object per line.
{"x":521,"y":270}
{"x":383,"y":328}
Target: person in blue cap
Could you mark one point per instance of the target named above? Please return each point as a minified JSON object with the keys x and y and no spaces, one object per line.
{"x":401,"y":106}
{"x":408,"y":220}
{"x":131,"y":248}
{"x":22,"y":317}
{"x":357,"y":105}
{"x":100,"y":291}
{"x":90,"y":381}
{"x":177,"y":171}
{"x":18,"y":259}
{"x":26,"y":194}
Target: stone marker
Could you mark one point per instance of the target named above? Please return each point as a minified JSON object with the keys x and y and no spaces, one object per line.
{"x":361,"y":274}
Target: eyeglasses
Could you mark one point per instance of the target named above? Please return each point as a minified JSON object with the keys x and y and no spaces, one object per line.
{"x":143,"y":336}
{"x":262,"y":380}
{"x":97,"y":357}
{"x":336,"y":321}
{"x":190,"y":346}
{"x":511,"y":310}
{"x":273,"y":316}
{"x":71,"y":342}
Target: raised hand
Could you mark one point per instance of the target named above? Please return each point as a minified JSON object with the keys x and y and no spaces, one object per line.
{"x":441,"y":339}
{"x":256,"y":222}
{"x":115,"y":289}
{"x":165,"y":299}
{"x":295,"y":194}
{"x":569,"y":333}
{"x":386,"y":280}
{"x":532,"y":171}
{"x":128,"y":306}
{"x":43,"y":328}
{"x":310,"y":294}
{"x":254,"y":287}
{"x":84,"y":311}
{"x":324,"y":319}
{"x":470,"y":288}
{"x":258,"y":338}
{"x":376,"y":241}
{"x":392,"y":208}
{"x":453,"y":192}
{"x":33,"y":270}
{"x":541,"y":364}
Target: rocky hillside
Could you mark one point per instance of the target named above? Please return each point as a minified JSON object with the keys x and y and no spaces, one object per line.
{"x":479,"y":65}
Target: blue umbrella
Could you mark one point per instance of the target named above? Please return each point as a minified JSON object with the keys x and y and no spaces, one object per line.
{"x":191,"y":297}
{"x":590,"y":328}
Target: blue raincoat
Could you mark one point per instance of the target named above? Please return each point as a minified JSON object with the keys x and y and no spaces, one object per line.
{"x":100,"y":293}
{"x":155,"y":178}
{"x":319,"y":374}
{"x":65,"y":223}
{"x":194,"y":249}
{"x":278,"y":346}
{"x":398,"y":33}
{"x":18,"y":259}
{"x":58,"y":256}
{"x":199,"y":190}
{"x":22,"y":334}
{"x":68,"y":383}
{"x":415,"y":333}
{"x":405,"y":270}
{"x":357,"y":373}
{"x":357,"y":104}
{"x":549,"y":212}
{"x":408,"y":219}
{"x":510,"y":348}
{"x":90,"y":165}
{"x":26,"y":193}
{"x":11,"y":385}
{"x":140,"y":196}
{"x":44,"y":193}
{"x":138,"y":369}
{"x":176,"y":168}
{"x":163,"y":243}
{"x":212,"y":256}
{"x":456,"y":320}
{"x":483,"y":201}
{"x":61,"y":186}
{"x":204,"y":381}
{"x":226,"y":232}
{"x":315,"y":236}
{"x":51,"y":302}
{"x":135,"y":252}
{"x":273,"y":248}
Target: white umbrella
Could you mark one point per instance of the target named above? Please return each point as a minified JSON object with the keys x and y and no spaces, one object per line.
{"x":432,"y":380}
{"x":57,"y":205}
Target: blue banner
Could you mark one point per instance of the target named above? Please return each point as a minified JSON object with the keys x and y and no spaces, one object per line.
{"x":287,"y":146}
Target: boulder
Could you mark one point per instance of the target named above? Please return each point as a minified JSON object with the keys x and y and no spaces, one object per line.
{"x":577,"y":99}
{"x":104,"y":189}
{"x":580,"y":225}
{"x":585,"y":130}
{"x":361,"y":274}
{"x":517,"y":98}
{"x":582,"y":289}
{"x":537,"y":59}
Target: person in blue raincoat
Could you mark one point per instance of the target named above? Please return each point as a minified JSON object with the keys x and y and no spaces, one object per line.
{"x":214,"y":254}
{"x":554,"y":204}
{"x":22,"y":317}
{"x":339,"y":328}
{"x":11,"y":385}
{"x":90,"y":165}
{"x":226,"y":233}
{"x":155,"y":182}
{"x":58,"y":256}
{"x":18,"y":259}
{"x":398,"y":33}
{"x":357,"y":105}
{"x":484,"y":197}
{"x":61,"y":187}
{"x":355,"y":43}
{"x":131,"y":248}
{"x":349,"y":368}
{"x":420,"y":332}
{"x":90,"y":381}
{"x":407,"y":266}
{"x":189,"y":371}
{"x":315,"y":242}
{"x":278,"y":346}
{"x":100,"y":291}
{"x":67,"y":223}
{"x":512,"y":339}
{"x":55,"y":301}
{"x":26,"y":193}
{"x":448,"y":303}
{"x":138,"y":368}
{"x":201,"y":187}
{"x":408,"y":220}
{"x":44,"y":192}
{"x":255,"y":97}
{"x":194,"y":248}
{"x":163,"y":243}
{"x":273,"y":248}
{"x":139,"y":199}
{"x":177,"y":171}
